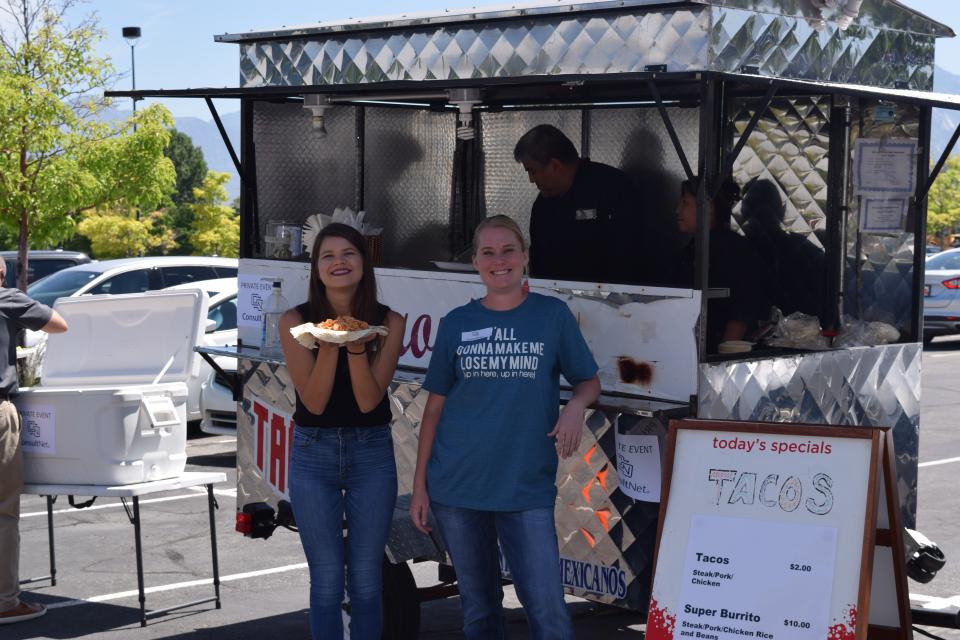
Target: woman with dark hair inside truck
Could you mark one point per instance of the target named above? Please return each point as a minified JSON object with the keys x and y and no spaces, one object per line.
{"x":342,"y":464}
{"x":733,"y":266}
{"x":491,"y":435}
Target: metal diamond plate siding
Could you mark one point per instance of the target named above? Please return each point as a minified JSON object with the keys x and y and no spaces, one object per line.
{"x":866,"y":386}
{"x":550,"y":45}
{"x":408,"y":173}
{"x":879,"y":267}
{"x":791,"y":47}
{"x":789,"y":147}
{"x":596,"y":522}
{"x":300,"y":173}
{"x":690,"y":38}
{"x":636,"y":141}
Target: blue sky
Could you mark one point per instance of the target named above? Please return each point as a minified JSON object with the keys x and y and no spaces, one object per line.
{"x":177,"y":48}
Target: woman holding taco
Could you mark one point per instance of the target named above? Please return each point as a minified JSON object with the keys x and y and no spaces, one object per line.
{"x":492,"y":432}
{"x":342,"y":464}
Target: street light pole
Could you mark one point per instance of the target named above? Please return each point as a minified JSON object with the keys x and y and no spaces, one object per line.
{"x":131,"y":35}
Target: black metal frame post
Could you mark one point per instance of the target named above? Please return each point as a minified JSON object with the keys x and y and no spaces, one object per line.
{"x":924,"y":176}
{"x":211,"y":506}
{"x":711,"y":116}
{"x":836,"y":210}
{"x":53,"y":556}
{"x":249,"y":218}
{"x":134,"y":517}
{"x":135,"y":520}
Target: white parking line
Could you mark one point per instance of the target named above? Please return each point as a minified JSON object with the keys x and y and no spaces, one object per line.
{"x":936,"y":603}
{"x":199,"y":492}
{"x":177,"y":585}
{"x":934,"y":463}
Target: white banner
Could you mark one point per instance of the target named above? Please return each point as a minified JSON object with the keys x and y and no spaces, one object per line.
{"x":252,"y":292}
{"x":638,"y":466}
{"x":38,"y":430}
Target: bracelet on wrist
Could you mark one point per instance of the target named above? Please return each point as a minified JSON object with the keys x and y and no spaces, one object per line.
{"x":356,"y":353}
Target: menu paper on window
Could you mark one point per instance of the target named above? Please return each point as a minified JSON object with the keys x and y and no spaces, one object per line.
{"x":766,"y":580}
{"x":252,"y":292}
{"x":885,"y":167}
{"x":638,"y":466}
{"x":880,"y":215}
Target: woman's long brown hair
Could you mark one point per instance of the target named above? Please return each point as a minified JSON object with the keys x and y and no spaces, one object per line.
{"x":364,"y":305}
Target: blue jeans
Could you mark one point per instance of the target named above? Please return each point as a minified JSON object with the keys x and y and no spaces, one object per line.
{"x":337,"y":473}
{"x":529,"y":542}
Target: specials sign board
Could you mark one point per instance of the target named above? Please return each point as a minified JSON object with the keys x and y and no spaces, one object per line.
{"x":763,"y":532}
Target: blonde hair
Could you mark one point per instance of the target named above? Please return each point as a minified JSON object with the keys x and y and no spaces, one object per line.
{"x":501,"y":222}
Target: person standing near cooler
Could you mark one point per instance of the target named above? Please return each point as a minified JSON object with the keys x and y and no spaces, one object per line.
{"x":342,"y":465}
{"x":491,"y":434}
{"x":18,"y":311}
{"x":585,"y":224}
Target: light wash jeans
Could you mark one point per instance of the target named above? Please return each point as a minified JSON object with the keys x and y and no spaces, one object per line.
{"x":337,"y":473}
{"x":529,"y":542}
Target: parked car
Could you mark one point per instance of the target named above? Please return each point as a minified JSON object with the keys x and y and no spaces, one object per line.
{"x":221,"y":330}
{"x":933,"y":249}
{"x":127,"y":275}
{"x":941,"y":295}
{"x":217,"y":405}
{"x":40,"y":263}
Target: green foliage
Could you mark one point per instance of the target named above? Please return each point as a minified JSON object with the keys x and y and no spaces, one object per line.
{"x":189,"y":163}
{"x":943,"y":201}
{"x":216,"y":226}
{"x":56,"y":158}
{"x":121,"y":234}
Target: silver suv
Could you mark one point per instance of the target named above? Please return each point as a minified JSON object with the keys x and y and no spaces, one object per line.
{"x":40,"y":263}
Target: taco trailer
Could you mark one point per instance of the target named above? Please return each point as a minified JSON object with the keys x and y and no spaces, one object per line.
{"x":365,"y":113}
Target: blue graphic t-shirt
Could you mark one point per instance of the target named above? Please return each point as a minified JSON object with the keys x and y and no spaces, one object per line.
{"x":500,"y":374}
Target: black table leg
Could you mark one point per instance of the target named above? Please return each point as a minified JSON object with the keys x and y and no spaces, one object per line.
{"x":139,"y":548}
{"x":53,"y":555}
{"x":211,"y":506}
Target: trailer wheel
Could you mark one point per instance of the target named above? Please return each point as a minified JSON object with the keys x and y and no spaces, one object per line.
{"x":401,"y":602}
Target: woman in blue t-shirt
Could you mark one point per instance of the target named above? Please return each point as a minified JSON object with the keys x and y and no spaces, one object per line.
{"x":491,"y":433}
{"x":342,"y":463}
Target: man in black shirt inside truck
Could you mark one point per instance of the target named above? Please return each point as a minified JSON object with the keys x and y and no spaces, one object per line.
{"x":585,"y":223}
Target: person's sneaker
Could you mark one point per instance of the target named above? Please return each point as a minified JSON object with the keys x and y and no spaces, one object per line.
{"x":21,"y":612}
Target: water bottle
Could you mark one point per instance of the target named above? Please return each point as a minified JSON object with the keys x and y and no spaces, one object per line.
{"x":273,"y":308}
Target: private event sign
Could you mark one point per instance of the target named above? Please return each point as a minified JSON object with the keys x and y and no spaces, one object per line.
{"x":638,"y":466}
{"x":762,"y":532}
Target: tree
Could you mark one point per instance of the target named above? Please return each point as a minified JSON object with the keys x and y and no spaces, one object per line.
{"x":121,"y":234}
{"x":943,"y":201}
{"x":191,"y":169}
{"x":56,"y":158}
{"x":189,"y":163}
{"x":216,"y":226}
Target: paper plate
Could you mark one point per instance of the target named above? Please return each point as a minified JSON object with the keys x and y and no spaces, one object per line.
{"x":308,"y":334}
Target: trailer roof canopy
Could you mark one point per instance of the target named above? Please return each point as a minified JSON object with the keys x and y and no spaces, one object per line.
{"x":884,"y":14}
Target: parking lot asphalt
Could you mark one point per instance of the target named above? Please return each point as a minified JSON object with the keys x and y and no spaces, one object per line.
{"x":265,"y":585}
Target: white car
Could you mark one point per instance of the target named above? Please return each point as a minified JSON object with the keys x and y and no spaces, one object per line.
{"x":217,"y":405}
{"x":126,"y":275}
{"x":221,"y":330}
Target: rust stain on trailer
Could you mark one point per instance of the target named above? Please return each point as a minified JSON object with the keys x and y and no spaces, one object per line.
{"x":633,"y":372}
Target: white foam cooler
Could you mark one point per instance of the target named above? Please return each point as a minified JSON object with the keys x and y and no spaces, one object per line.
{"x":112,"y":405}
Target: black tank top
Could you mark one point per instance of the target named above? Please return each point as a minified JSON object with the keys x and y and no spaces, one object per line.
{"x":342,"y":409}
